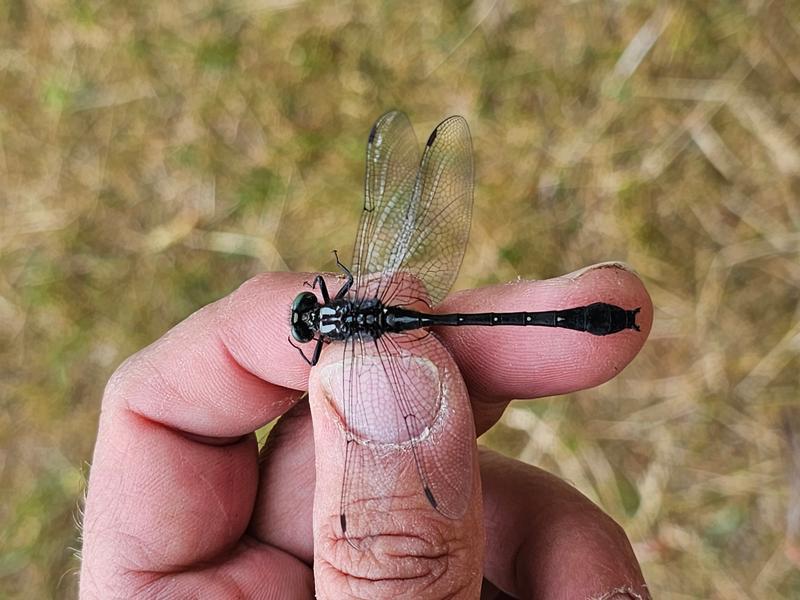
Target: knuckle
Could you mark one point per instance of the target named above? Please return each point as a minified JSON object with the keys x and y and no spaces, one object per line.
{"x":136,"y":377}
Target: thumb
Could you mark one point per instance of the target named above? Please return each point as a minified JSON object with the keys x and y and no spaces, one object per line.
{"x":397,"y":506}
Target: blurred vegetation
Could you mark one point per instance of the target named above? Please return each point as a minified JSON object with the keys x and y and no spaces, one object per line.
{"x":155,"y":155}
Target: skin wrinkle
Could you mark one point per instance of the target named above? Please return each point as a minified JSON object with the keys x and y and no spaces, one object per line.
{"x":350,"y":578}
{"x":122,"y":578}
{"x":400,"y":516}
{"x":216,"y":562}
{"x":434,"y":530}
{"x":223,"y":382}
{"x":213,"y":492}
{"x":217,"y":568}
{"x":166,"y":390}
{"x":192,"y":437}
{"x":224,"y":583}
{"x":432,"y":574}
{"x":436,"y":556}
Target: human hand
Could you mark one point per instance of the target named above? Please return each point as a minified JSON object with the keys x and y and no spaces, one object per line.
{"x":179,"y":504}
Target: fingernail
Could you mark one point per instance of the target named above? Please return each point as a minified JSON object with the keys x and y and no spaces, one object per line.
{"x":613,"y":264}
{"x":370,"y":413}
{"x":625,"y":593}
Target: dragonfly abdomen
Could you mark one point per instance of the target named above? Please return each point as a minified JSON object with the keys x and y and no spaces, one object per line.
{"x":598,"y":318}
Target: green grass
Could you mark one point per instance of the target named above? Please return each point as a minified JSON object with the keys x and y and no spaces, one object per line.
{"x":154,"y":155}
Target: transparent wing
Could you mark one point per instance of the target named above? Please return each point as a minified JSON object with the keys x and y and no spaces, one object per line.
{"x":398,"y":419}
{"x":392,"y":163}
{"x":395,"y":390}
{"x":416,"y":221}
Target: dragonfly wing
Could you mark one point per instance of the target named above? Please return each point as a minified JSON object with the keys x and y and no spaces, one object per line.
{"x":416,"y":219}
{"x":401,"y":411}
{"x":392,"y":163}
{"x":399,"y":395}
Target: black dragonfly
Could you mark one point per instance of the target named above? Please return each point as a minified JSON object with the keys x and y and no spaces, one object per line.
{"x":410,"y":244}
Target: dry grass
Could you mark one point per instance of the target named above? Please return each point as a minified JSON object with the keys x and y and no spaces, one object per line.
{"x":154,"y":156}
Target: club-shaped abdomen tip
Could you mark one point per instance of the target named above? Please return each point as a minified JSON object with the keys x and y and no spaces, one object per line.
{"x":632,"y":319}
{"x":604,"y":319}
{"x":343,"y":522}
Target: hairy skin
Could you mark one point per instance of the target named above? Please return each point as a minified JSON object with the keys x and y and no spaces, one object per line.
{"x":180,"y":504}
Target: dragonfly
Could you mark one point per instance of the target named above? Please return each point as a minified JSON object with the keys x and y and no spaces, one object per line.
{"x":409,"y":247}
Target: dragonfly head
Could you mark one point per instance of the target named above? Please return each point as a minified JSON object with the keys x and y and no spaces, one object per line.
{"x":303,"y":307}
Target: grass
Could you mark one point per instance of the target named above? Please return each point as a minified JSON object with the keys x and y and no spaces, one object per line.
{"x":155,"y":155}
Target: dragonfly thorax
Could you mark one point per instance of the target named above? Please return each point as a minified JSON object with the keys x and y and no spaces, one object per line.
{"x":342,"y":319}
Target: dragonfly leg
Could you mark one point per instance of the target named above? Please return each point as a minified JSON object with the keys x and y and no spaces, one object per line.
{"x":347,"y":284}
{"x":319,"y":281}
{"x":323,"y":289}
{"x":317,"y":351}
{"x":314,"y":357}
